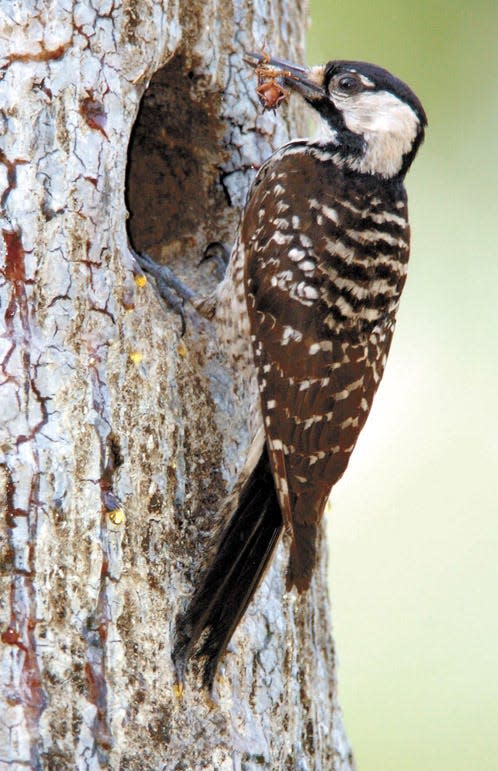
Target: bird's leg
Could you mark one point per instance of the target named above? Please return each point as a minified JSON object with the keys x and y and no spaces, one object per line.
{"x":175,"y":292}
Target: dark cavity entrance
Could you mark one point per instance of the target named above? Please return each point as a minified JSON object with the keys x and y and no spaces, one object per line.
{"x":174,"y":190}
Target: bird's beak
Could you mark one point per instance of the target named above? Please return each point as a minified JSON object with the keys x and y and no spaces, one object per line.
{"x":305,"y":80}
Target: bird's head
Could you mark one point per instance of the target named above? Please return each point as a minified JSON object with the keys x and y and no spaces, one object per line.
{"x":373,"y":119}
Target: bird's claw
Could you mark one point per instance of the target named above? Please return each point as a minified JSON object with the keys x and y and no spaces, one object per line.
{"x":170,"y":287}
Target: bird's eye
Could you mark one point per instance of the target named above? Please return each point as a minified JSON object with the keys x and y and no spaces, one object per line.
{"x":349,"y":84}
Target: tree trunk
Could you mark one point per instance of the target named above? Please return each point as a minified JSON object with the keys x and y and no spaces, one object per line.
{"x":120,"y":438}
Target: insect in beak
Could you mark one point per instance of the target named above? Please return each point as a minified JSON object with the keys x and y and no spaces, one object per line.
{"x":277,"y":77}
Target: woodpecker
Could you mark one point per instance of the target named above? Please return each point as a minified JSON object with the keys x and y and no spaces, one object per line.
{"x":306,"y":314}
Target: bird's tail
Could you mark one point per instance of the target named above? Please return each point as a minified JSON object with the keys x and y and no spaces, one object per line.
{"x":302,"y":557}
{"x":204,"y":630}
{"x":307,"y":512}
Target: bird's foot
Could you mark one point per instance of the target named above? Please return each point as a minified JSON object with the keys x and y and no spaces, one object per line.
{"x":173,"y":291}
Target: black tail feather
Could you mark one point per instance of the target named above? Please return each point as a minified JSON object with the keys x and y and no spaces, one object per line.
{"x":229,"y":584}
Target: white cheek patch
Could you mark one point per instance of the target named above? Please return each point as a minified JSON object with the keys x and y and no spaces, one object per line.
{"x":379,"y":111}
{"x":388,"y":125}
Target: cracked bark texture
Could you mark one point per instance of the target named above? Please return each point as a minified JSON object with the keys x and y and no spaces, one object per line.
{"x":118,"y":437}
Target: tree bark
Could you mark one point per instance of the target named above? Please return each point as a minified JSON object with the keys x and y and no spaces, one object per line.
{"x":119,"y":437}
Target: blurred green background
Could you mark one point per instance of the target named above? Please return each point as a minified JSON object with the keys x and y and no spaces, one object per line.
{"x":414,"y":523}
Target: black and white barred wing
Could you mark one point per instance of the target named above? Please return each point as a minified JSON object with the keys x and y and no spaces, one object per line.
{"x":321,"y":323}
